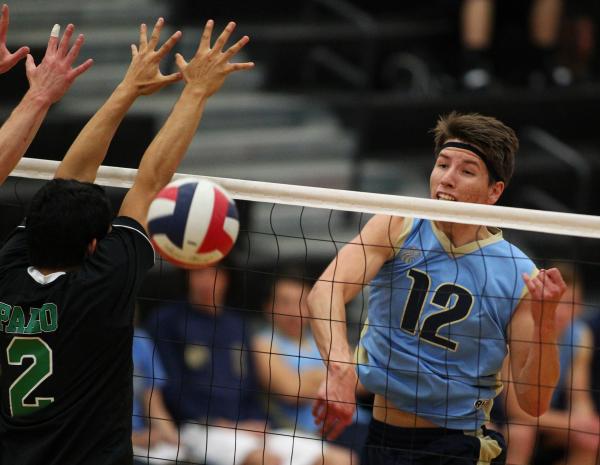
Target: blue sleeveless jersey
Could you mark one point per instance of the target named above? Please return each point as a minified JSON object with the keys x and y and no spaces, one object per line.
{"x":436,"y":334}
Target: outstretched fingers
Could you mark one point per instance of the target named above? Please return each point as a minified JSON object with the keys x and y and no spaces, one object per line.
{"x":18,"y":56}
{"x":53,"y":40}
{"x":169,"y":44}
{"x":233,"y":67}
{"x":174,"y":77}
{"x":156,"y":33}
{"x":4,"y":23}
{"x":82,"y":68}
{"x":143,"y":36}
{"x":224,"y":37}
{"x":206,"y":37}
{"x":63,"y":47}
{"x":232,"y":51}
{"x":29,"y":64}
{"x":180,"y":61}
{"x":74,"y":52}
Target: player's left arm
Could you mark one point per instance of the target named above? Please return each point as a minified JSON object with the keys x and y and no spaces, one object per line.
{"x":143,"y":77}
{"x":533,"y":342}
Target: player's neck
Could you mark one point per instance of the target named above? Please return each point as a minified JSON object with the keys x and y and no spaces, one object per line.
{"x":461,"y":234}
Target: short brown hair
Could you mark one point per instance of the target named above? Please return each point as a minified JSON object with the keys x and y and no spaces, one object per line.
{"x":497,"y":141}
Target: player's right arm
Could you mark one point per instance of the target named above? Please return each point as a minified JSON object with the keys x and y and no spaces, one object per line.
{"x":203,"y":75}
{"x":143,"y":77}
{"x":354,"y":266}
{"x":532,"y":342}
{"x":48,"y":82}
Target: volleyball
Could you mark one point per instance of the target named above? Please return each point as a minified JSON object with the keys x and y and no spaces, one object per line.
{"x":193,"y":223}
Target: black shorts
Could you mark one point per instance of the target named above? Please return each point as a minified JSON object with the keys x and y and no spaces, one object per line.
{"x":391,"y":445}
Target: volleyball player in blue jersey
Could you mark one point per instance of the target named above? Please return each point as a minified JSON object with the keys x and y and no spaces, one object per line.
{"x":447,"y":303}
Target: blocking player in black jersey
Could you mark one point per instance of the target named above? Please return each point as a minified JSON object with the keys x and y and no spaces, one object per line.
{"x":48,"y":82}
{"x":69,"y":275}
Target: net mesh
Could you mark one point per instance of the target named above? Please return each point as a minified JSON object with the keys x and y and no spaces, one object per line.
{"x":227,"y":370}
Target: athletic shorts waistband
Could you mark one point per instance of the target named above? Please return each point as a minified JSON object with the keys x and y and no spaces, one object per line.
{"x":382,"y":434}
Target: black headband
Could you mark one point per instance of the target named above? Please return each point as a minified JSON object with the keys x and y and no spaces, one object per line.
{"x":471,"y":148}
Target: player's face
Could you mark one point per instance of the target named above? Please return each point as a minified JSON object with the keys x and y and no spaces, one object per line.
{"x":461,"y":176}
{"x":288,"y":307}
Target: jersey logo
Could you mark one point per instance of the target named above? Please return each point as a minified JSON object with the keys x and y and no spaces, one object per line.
{"x":409,"y":254}
{"x":481,"y":403}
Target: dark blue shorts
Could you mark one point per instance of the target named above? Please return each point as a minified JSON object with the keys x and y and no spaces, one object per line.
{"x":391,"y":445}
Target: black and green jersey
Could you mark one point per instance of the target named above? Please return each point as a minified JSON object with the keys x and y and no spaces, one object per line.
{"x":65,"y":350}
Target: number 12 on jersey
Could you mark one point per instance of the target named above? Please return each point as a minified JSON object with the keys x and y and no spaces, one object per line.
{"x":454,"y":301}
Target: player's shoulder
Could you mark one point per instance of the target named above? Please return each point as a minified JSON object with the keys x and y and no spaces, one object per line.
{"x":127,"y":225}
{"x":510,"y":262}
{"x":13,"y":250}
{"x":507,"y":249}
{"x":126,"y":241}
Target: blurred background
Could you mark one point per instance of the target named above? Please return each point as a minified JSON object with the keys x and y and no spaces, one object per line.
{"x":343,"y":96}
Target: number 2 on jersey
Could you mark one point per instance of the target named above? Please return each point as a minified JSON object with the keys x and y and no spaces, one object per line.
{"x":35,"y":349}
{"x":442,"y":297}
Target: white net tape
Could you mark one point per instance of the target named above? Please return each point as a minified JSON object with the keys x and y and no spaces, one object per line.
{"x":487,"y":215}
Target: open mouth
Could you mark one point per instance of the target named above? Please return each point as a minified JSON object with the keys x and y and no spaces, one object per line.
{"x":446,"y":197}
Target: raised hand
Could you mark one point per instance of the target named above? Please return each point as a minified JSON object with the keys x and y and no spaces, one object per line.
{"x":7,"y":59}
{"x":144,"y":73}
{"x":546,"y":290}
{"x":209,"y":67}
{"x":54,"y":75}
